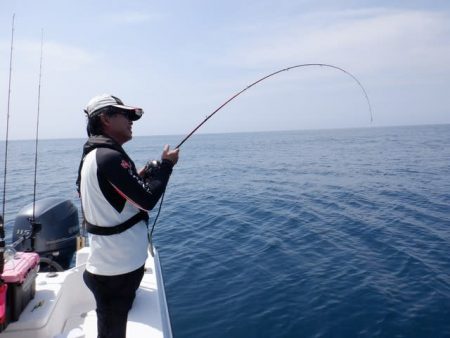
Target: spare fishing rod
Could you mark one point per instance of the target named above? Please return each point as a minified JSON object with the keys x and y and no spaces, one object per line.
{"x":35,"y":226}
{"x":2,"y":216}
{"x":37,"y":125}
{"x":247,"y":88}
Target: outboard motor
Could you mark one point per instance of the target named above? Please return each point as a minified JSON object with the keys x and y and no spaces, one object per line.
{"x":55,"y":232}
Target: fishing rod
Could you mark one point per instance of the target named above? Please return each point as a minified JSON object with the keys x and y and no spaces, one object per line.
{"x":37,"y":127}
{"x":2,"y":216}
{"x":35,"y":226}
{"x":247,"y":88}
{"x":273,"y":74}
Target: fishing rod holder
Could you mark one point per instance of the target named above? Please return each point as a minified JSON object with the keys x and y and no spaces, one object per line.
{"x":35,"y":229}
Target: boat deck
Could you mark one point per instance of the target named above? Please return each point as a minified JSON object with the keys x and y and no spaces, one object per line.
{"x":63,"y":306}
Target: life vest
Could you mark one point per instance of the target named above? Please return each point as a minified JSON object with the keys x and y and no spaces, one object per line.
{"x":100,"y":141}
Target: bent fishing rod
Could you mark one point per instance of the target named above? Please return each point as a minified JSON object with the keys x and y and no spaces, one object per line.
{"x":273,"y":74}
{"x":250,"y":86}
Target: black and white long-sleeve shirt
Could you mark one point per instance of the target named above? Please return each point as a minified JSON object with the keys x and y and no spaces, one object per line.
{"x":111,"y":193}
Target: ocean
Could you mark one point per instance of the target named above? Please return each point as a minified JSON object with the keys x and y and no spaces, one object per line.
{"x":324,"y":233}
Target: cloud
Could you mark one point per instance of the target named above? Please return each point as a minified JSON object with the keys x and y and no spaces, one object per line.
{"x":131,"y":17}
{"x":56,"y":56}
{"x":64,"y":57}
{"x":67,"y":57}
{"x":63,"y":67}
{"x":369,"y":40}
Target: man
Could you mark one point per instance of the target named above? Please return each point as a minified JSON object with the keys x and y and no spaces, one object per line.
{"x":115,"y":200}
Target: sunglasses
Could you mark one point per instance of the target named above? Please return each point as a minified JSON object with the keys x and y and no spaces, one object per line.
{"x":131,"y":115}
{"x":125,"y":114}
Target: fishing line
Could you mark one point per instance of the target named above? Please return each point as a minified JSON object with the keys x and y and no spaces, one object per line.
{"x":250,"y":86}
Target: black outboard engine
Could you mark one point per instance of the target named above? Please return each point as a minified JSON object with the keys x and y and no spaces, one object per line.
{"x":55,"y":232}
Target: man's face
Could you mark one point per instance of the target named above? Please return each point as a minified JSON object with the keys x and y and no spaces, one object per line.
{"x":118,"y":126}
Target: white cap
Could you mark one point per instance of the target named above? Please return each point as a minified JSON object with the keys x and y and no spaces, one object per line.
{"x":98,"y":102}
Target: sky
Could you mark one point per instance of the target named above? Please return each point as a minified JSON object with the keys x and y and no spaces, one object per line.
{"x":180,"y":60}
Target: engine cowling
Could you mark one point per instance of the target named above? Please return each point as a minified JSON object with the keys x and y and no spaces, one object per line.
{"x":56,"y":230}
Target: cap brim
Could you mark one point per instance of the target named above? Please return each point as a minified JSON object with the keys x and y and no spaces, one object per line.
{"x":134,"y":112}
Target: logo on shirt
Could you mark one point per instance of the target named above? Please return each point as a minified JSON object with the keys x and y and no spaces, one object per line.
{"x":125,"y":164}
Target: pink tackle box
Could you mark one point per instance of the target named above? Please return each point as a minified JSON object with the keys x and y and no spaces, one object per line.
{"x":19,"y":278}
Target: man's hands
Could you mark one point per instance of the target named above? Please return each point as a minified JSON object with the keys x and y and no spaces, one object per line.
{"x":167,"y":154}
{"x":171,"y":155}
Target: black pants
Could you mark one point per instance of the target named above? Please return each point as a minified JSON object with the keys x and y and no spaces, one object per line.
{"x":114,"y":296}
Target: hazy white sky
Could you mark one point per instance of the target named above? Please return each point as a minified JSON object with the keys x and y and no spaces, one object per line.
{"x":179,"y":60}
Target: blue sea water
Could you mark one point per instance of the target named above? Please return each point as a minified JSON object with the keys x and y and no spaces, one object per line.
{"x":332,"y":233}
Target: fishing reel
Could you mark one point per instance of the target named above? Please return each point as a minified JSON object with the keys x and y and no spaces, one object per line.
{"x":151,"y":169}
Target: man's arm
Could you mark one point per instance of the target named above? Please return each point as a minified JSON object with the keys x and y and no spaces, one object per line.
{"x":127,"y":183}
